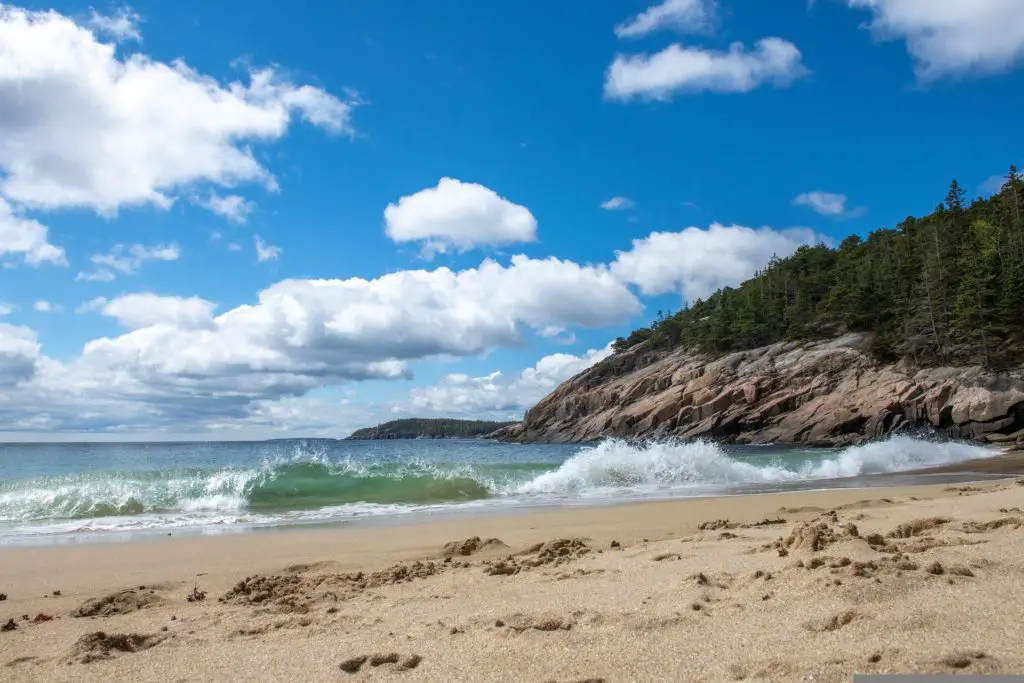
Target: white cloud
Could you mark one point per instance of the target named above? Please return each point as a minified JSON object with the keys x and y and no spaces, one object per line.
{"x":127,"y":260}
{"x":684,"y":16}
{"x":698,"y":262}
{"x":461,"y":394}
{"x":6,"y":308}
{"x":264,"y":251}
{"x":235,"y":246}
{"x":19,"y":353}
{"x":825,"y":203}
{"x":93,"y":304}
{"x":179,"y":364}
{"x":233,"y":207}
{"x":993,"y":184}
{"x":24,"y":237}
{"x":458,"y":215}
{"x":952,"y":38}
{"x":137,"y":311}
{"x":618,"y":204}
{"x":44,"y":306}
{"x":678,"y":69}
{"x":84,"y":125}
{"x":121,"y":26}
{"x":828,"y":204}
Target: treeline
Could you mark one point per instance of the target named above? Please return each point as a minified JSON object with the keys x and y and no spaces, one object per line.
{"x":944,"y":289}
{"x":420,"y":428}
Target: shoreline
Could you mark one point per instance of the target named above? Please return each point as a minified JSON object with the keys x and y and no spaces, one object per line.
{"x":1005,"y":463}
{"x":594,"y":611}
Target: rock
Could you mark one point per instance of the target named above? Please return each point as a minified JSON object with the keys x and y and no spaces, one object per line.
{"x":824,"y":393}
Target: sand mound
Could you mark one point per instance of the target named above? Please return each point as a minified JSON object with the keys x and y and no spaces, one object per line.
{"x":552,"y":554}
{"x":294,"y":593}
{"x":122,"y":602}
{"x":401,"y":662}
{"x":470,"y":546}
{"x":558,"y":551}
{"x":974,"y":661}
{"x":525,"y":622}
{"x":985,"y":527}
{"x":285,"y":593}
{"x":718,"y":524}
{"x":97,"y":646}
{"x":814,"y":536}
{"x":918,"y":527}
{"x":832,"y":623}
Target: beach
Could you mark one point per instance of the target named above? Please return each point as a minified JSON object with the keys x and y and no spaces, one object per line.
{"x":814,"y":585}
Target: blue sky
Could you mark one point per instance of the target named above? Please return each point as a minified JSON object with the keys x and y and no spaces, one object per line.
{"x":606,"y":159}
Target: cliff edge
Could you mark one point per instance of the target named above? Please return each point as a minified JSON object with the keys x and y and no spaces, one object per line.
{"x":816,"y":393}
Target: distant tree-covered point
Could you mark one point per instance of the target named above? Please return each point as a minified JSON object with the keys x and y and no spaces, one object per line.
{"x":945,"y":289}
{"x":418,"y":428}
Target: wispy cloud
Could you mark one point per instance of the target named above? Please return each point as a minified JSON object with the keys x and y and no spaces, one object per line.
{"x":264,"y":251}
{"x":618,"y":204}
{"x":122,"y":26}
{"x":829,"y":204}
{"x":233,"y":207}
{"x":127,"y":261}
{"x":683,"y":16}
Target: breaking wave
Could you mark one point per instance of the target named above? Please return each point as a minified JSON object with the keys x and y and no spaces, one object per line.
{"x":311,"y":487}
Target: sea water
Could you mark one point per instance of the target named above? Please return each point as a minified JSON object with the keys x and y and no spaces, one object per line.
{"x":67,"y":492}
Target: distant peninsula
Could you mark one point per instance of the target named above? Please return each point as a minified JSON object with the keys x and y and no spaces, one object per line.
{"x":419,"y":428}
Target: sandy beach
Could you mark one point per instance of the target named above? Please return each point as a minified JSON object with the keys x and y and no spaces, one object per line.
{"x":794,"y":586}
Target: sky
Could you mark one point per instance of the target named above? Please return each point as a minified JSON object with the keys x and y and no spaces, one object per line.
{"x":241,"y":221}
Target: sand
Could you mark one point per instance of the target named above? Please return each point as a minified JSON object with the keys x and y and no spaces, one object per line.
{"x":786,"y":587}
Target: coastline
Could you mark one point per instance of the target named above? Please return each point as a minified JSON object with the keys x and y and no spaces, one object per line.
{"x":602,"y":613}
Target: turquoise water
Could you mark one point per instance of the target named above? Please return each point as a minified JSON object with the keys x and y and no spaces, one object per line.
{"x":61,"y":491}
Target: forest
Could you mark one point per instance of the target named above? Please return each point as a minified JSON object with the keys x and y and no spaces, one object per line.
{"x":945,"y":289}
{"x":420,"y":428}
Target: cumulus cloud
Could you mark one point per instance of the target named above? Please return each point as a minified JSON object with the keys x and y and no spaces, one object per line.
{"x":145,"y":309}
{"x":683,"y":16}
{"x":86,"y":125}
{"x":6,"y":308}
{"x":19,"y":353}
{"x":698,"y":262}
{"x":25,"y":238}
{"x":264,"y":251}
{"x":44,"y":306}
{"x":460,"y":216}
{"x":618,"y":204}
{"x":127,"y":260}
{"x":233,"y":207}
{"x":951,"y":38}
{"x":461,"y":394}
{"x":678,"y":69}
{"x":181,"y":364}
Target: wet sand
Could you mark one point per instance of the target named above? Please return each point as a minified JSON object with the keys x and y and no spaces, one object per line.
{"x":772,"y":587}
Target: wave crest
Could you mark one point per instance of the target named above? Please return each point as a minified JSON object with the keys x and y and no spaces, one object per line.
{"x":617,"y":464}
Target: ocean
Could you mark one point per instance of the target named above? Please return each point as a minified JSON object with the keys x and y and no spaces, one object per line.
{"x":55,"y":493}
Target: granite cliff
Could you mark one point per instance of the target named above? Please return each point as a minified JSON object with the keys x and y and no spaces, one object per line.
{"x":817,"y":393}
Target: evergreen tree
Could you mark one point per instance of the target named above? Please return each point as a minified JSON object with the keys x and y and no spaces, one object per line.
{"x":945,"y":288}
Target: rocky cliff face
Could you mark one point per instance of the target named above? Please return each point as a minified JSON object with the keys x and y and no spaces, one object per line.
{"x":827,"y":393}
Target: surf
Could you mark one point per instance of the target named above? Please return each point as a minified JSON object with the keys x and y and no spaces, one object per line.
{"x":308,"y":485}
